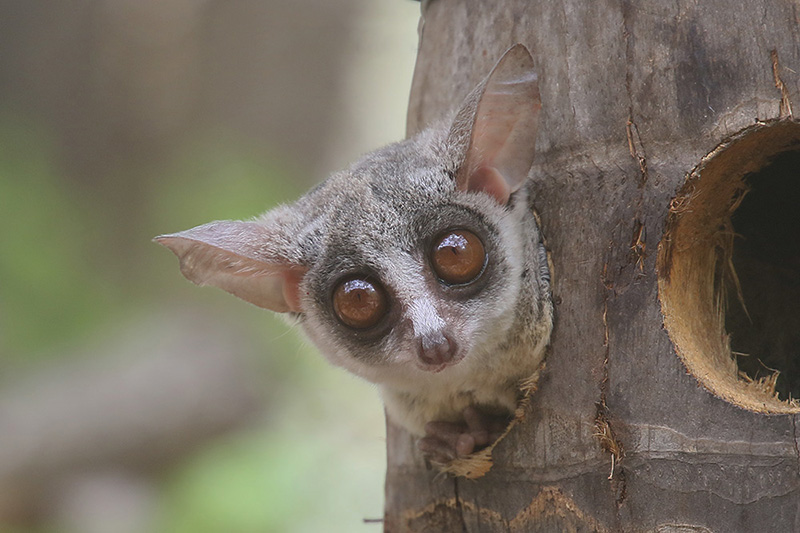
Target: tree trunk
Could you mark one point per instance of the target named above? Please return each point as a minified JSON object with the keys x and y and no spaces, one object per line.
{"x":658,"y":118}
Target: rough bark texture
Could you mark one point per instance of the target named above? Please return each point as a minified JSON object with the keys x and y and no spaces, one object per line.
{"x":635,"y":95}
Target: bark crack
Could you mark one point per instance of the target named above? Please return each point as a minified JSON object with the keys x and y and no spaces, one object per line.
{"x":459,"y":506}
{"x":631,"y":130}
{"x":635,"y":145}
{"x":604,"y":431}
{"x":794,"y":440}
{"x":785,"y":109}
{"x":626,"y":35}
{"x":566,"y":56}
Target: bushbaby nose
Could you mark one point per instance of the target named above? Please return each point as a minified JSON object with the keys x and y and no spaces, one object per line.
{"x":437,"y":348}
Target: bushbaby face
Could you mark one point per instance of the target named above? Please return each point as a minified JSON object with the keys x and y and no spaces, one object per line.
{"x":419,"y":268}
{"x":409,"y":283}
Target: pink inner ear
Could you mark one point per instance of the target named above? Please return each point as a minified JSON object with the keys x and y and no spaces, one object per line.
{"x":291,"y":288}
{"x":489,"y":180}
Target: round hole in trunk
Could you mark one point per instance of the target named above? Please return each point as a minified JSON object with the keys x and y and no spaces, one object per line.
{"x":729,"y":269}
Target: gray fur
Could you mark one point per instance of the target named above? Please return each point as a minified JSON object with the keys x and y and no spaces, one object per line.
{"x":379,"y":218}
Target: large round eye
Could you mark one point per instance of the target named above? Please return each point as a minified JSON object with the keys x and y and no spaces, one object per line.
{"x":458,"y":256}
{"x":359,"y":302}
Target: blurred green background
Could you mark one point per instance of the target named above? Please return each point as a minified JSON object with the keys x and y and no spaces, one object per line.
{"x":130,"y":400}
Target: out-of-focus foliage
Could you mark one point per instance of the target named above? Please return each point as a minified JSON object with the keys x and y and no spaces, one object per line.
{"x":59,"y":279}
{"x":267,"y":478}
{"x":47,"y":293}
{"x":221,"y":177}
{"x":307,"y":473}
{"x":254,"y":97}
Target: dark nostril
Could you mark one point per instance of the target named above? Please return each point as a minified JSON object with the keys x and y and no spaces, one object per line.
{"x":437,"y":348}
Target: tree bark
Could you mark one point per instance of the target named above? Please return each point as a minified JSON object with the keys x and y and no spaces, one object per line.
{"x":656,"y":116}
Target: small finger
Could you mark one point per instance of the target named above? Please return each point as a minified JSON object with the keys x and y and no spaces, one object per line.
{"x":445,"y":431}
{"x":437,"y":450}
{"x":478,"y":426}
{"x":465,"y":444}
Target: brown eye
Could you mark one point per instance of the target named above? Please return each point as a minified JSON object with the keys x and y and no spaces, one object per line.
{"x":458,"y":257}
{"x":359,"y":303}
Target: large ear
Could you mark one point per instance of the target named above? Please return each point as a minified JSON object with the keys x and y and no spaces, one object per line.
{"x":241,"y":258}
{"x":502,"y":119}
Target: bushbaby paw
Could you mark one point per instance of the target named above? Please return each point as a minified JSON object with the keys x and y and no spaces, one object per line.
{"x":446,"y":441}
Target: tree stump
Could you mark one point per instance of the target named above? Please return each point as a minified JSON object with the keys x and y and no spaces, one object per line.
{"x":667,"y":175}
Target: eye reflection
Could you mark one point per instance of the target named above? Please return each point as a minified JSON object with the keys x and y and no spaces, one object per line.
{"x":458,"y":257}
{"x":360,"y":303}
